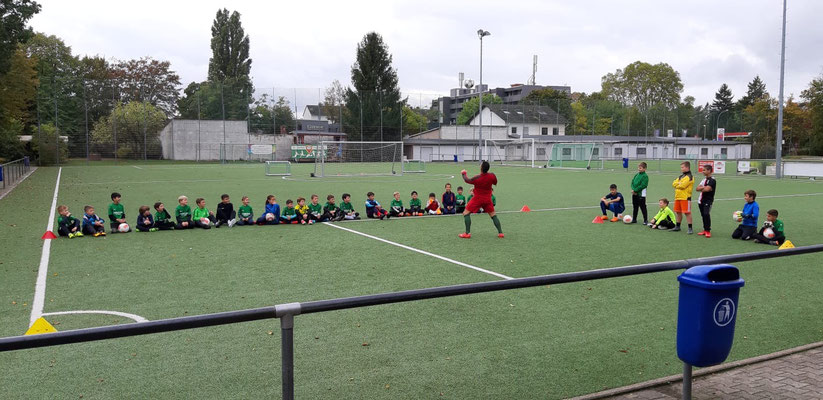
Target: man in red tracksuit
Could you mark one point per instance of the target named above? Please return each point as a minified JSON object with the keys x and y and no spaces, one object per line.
{"x":482,"y":199}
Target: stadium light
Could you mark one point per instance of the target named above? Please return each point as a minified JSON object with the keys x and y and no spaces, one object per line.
{"x":481,"y":34}
{"x":717,"y":121}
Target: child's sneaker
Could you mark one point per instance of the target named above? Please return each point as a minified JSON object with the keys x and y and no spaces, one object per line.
{"x":311,"y":222}
{"x":774,"y":243}
{"x":701,"y":233}
{"x":78,"y":234}
{"x":500,"y":235}
{"x":676,"y":229}
{"x":465,"y":235}
{"x":605,"y":217}
{"x":615,"y":219}
{"x":708,"y":234}
{"x":690,"y":231}
{"x":303,"y":222}
{"x":232,"y":222}
{"x":71,"y":236}
{"x":154,"y":229}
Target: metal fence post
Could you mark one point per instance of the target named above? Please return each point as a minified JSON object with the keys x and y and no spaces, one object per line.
{"x":286,"y":313}
{"x":687,"y":381}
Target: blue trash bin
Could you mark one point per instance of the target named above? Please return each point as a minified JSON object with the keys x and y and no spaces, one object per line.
{"x":706,"y":313}
{"x":625,"y":162}
{"x":455,"y":158}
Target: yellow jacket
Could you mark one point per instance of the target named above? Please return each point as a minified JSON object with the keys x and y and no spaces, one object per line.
{"x":683,"y":187}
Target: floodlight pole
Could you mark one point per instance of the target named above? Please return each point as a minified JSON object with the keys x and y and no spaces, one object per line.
{"x":778,"y":172}
{"x":481,"y":33}
{"x":717,"y":121}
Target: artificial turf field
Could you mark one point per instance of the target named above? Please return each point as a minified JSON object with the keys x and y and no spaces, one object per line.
{"x":546,"y":342}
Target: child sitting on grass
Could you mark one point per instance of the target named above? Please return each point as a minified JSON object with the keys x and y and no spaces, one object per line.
{"x":330,"y":211}
{"x":92,"y":224}
{"x":117,"y":213}
{"x":289,"y":213}
{"x":415,"y":206}
{"x":315,"y":210}
{"x":145,"y":222}
{"x":613,"y":201}
{"x":245,"y":212}
{"x":68,"y":225}
{"x":664,"y":218}
{"x":776,"y":226}
{"x":203,"y":218}
{"x":373,"y":208}
{"x":449,"y":200}
{"x":348,"y":208}
{"x":751,"y":210}
{"x":162,"y":219}
{"x":432,"y":206}
{"x":183,"y":214}
{"x":396,"y":208}
{"x":225,"y":212}
{"x":302,"y":211}
{"x":271,"y":213}
{"x":459,"y":201}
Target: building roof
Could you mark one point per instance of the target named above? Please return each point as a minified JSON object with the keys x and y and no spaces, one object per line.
{"x":588,"y":139}
{"x":527,"y":114}
{"x":316,"y":133}
{"x":314,"y":109}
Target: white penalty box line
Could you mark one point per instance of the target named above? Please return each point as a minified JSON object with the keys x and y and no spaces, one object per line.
{"x":403,"y":246}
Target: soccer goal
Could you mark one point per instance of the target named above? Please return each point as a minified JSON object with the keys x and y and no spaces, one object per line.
{"x":512,"y":152}
{"x":278,"y":168}
{"x":576,"y":155}
{"x":414,"y":166}
{"x":358,"y":159}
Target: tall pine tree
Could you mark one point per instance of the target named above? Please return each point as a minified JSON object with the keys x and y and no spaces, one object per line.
{"x":723,"y":99}
{"x":375,"y":89}
{"x":756,"y":91}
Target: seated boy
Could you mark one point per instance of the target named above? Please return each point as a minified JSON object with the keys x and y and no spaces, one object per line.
{"x":459,"y":201}
{"x":751,"y":210}
{"x":396,"y":208}
{"x":302,"y":211}
{"x":664,"y":218}
{"x":183,"y":214}
{"x":348,"y":208}
{"x":145,"y":222}
{"x":271,"y":213}
{"x":330,"y":211}
{"x":117,"y":213}
{"x":162,"y":219}
{"x":613,"y":202}
{"x":203,"y":218}
{"x":289,"y":213}
{"x":68,"y":225}
{"x":373,"y":208}
{"x":432,"y":206}
{"x":449,"y":200}
{"x":245,"y":212}
{"x":92,"y":224}
{"x":776,"y":226}
{"x":415,"y":206}
{"x":315,"y":210}
{"x":225,"y":212}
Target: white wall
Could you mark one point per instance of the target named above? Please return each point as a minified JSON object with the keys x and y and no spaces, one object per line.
{"x":200,"y":140}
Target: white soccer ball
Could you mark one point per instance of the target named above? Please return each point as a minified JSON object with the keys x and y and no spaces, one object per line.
{"x":627,"y":219}
{"x":124,"y":227}
{"x":269,"y":217}
{"x":769,"y":233}
{"x":204,"y":221}
{"x":737,"y":216}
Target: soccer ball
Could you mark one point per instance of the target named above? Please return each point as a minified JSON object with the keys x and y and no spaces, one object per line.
{"x":737,"y":216}
{"x":269,"y":217}
{"x":124,"y":227}
{"x":204,"y":221}
{"x":769,"y":233}
{"x":627,"y":219}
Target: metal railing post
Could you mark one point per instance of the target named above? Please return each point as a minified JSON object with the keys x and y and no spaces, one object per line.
{"x":687,"y":381}
{"x":286,"y":313}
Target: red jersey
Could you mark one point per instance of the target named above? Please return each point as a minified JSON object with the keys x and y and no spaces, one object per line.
{"x":482,"y":185}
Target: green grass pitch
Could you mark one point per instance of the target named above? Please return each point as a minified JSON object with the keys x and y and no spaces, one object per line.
{"x":546,"y":342}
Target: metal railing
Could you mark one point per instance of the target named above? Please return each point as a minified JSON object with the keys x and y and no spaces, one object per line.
{"x":287,"y":312}
{"x":14,"y":171}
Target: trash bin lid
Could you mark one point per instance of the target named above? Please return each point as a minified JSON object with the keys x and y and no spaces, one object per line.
{"x":717,"y":277}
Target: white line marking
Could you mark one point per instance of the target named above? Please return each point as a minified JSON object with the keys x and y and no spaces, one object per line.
{"x":462,"y":264}
{"x":135,"y":317}
{"x":43,"y":272}
{"x":136,"y":167}
{"x":14,"y":185}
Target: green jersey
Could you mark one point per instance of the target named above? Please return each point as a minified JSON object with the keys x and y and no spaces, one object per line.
{"x":116,"y":211}
{"x":460,"y":200}
{"x":69,"y":220}
{"x":182,"y":213}
{"x":640,"y":182}
{"x":396,"y":203}
{"x":200,"y":213}
{"x":778,"y":227}
{"x":346,"y":207}
{"x":330,"y":207}
{"x":245,"y":211}
{"x":289,"y":211}
{"x":315,"y":208}
{"x":415,"y":203}
{"x":162,"y":216}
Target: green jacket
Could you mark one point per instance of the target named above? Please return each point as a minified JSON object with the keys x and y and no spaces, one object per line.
{"x":245,"y":212}
{"x":415,"y":203}
{"x":396,"y":203}
{"x":182,"y":213}
{"x":199,"y":213}
{"x":315,"y":208}
{"x":116,"y":211}
{"x":330,"y":208}
{"x":347,"y":207}
{"x":289,"y":211}
{"x":640,"y":182}
{"x":663,"y":214}
{"x":460,"y":200}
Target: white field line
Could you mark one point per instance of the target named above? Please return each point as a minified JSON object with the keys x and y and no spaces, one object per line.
{"x":135,"y":317}
{"x":402,"y":246}
{"x":136,"y":167}
{"x":10,"y":188}
{"x":43,"y":272}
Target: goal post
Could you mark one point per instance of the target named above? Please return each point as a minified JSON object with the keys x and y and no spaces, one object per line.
{"x":414,"y":166}
{"x":358,"y":158}
{"x":583,"y":155}
{"x":511,"y":152}
{"x":278,"y":168}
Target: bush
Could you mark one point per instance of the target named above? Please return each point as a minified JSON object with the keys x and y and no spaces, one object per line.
{"x":45,"y":146}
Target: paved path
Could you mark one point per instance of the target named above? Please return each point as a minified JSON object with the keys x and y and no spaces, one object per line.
{"x":790,"y":374}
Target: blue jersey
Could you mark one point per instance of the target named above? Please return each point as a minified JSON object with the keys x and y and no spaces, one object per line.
{"x":371,"y":205}
{"x":273,"y":208}
{"x":91,"y":219}
{"x":750,"y":213}
{"x":611,"y":196}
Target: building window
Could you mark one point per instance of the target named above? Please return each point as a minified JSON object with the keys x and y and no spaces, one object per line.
{"x":541,"y":151}
{"x":514,"y":129}
{"x":618,"y":151}
{"x":681,"y":151}
{"x":544,"y":131}
{"x":567,"y":151}
{"x":555,"y":131}
{"x":595,"y":152}
{"x":525,"y":130}
{"x":724,"y":151}
{"x":641,"y":151}
{"x":704,"y":151}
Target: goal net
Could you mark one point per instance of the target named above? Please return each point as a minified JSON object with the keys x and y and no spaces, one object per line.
{"x":358,"y":158}
{"x":576,"y":155}
{"x":415,"y":166}
{"x":512,"y":152}
{"x":278,"y":168}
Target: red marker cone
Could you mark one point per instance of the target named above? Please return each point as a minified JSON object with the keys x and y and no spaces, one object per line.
{"x":525,"y":209}
{"x":48,"y":235}
{"x":597,"y":220}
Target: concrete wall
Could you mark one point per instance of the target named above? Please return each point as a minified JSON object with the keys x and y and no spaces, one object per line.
{"x":200,"y":140}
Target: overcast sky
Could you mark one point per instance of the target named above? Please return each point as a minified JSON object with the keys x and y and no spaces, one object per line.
{"x":308,"y":44}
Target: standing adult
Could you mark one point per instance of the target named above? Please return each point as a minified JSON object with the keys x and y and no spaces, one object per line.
{"x":482,"y":198}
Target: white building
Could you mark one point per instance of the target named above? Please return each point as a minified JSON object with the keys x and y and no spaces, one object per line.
{"x":522,"y":120}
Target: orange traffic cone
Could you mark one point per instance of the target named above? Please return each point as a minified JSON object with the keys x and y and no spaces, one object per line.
{"x":597,"y":220}
{"x":525,"y":209}
{"x":48,"y":235}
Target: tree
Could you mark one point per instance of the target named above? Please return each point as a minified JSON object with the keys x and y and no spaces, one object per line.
{"x":13,"y":31}
{"x":756,"y":90}
{"x":813,"y":95}
{"x":471,"y":106}
{"x":644,"y":85}
{"x":375,"y":92}
{"x":207,"y":100}
{"x":18,"y":85}
{"x":262,"y":119}
{"x":148,"y":80}
{"x":414,"y":120}
{"x":230,"y":49}
{"x":97,"y":87}
{"x":138,"y":131}
{"x":723,"y":99}
{"x":556,"y":100}
{"x":333,"y":100}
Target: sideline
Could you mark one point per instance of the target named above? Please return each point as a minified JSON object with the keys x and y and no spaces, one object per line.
{"x":135,"y":317}
{"x":43,"y":272}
